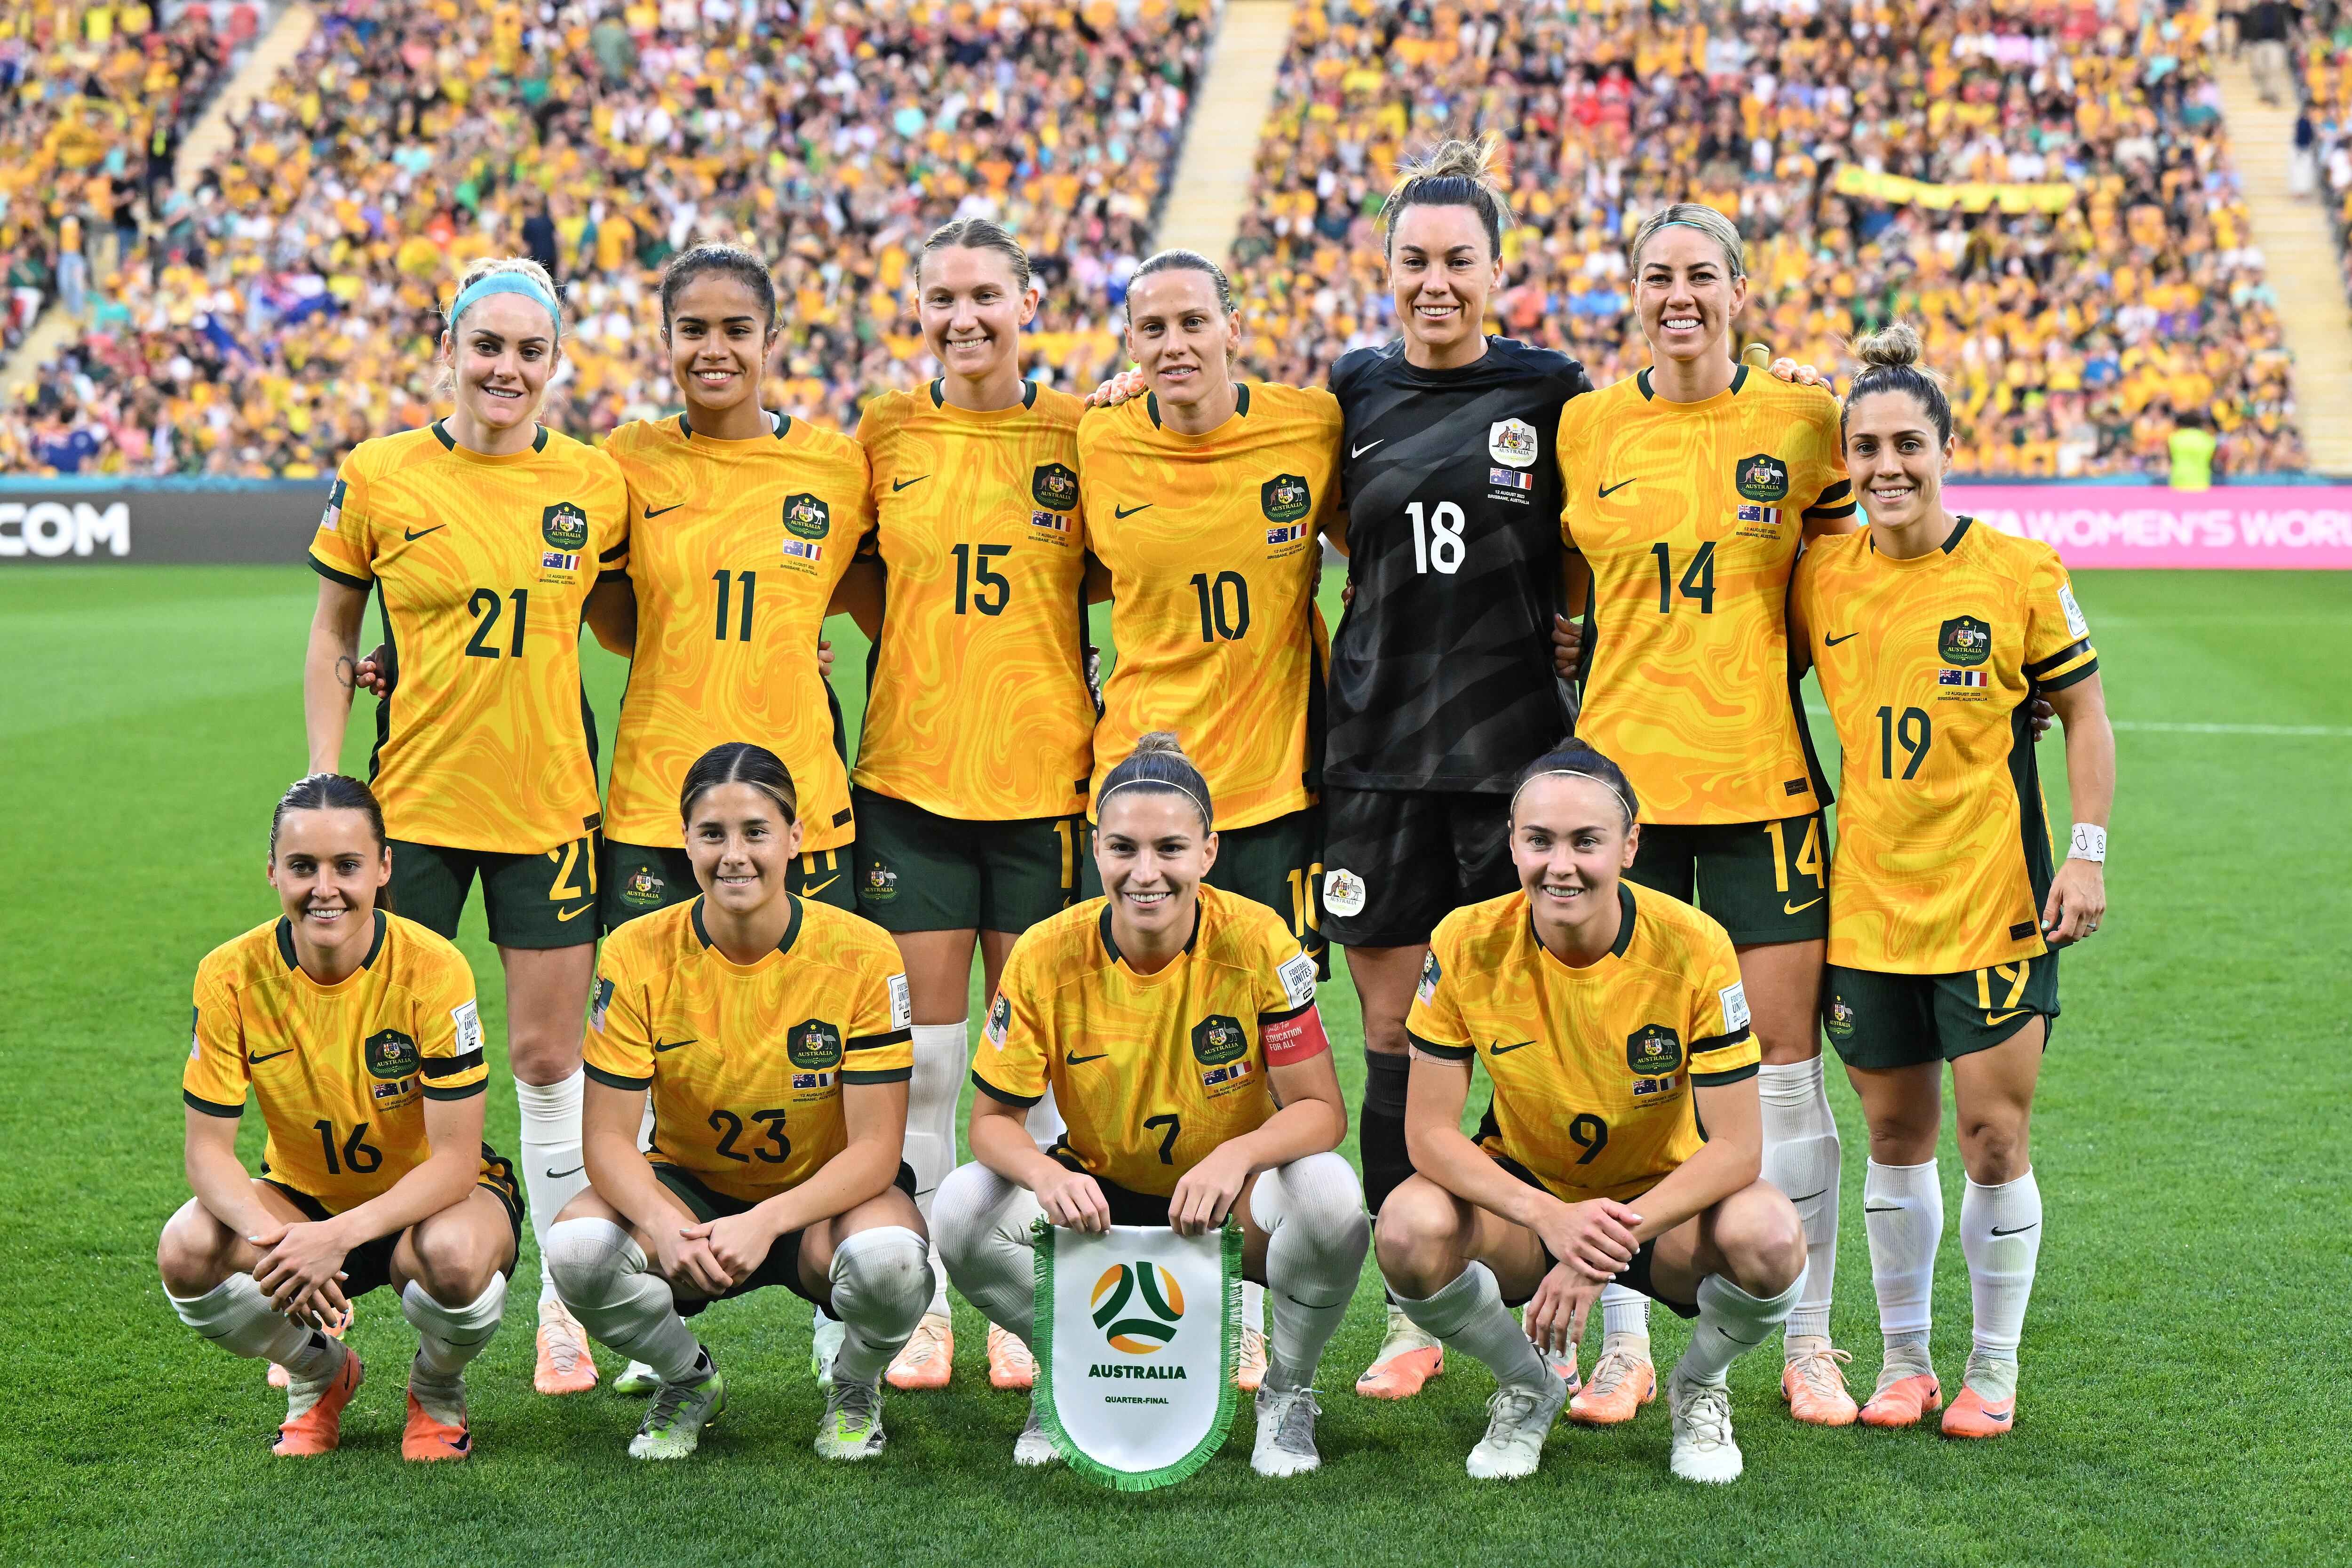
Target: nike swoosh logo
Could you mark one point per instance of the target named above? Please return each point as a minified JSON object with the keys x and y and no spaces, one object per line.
{"x":1607,"y":490}
{"x":661,"y":1046}
{"x":1069,"y":1061}
{"x":2020,"y":1230}
{"x":1130,"y":510}
{"x":1809,"y":1197}
{"x":257,"y":1061}
{"x":821,"y":887}
{"x":1789,"y":909}
{"x":1360,"y":451}
{"x":421,"y":532}
{"x":569,"y":914}
{"x":898,"y":485}
{"x":1993,"y":1019}
{"x":1888,"y":1208}
{"x":1502,"y":1050}
{"x":653,"y":512}
{"x":559,"y":1175}
{"x":1833,"y":642}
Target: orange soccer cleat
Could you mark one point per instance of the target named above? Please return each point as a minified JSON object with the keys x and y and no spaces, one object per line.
{"x":1976,"y":1414}
{"x":427,"y":1438}
{"x":318,"y":1427}
{"x":1814,"y":1385}
{"x":927,"y":1356}
{"x":1408,"y":1358}
{"x":1623,"y":1382}
{"x":1010,"y":1364}
{"x":565,"y":1364}
{"x":1249,"y":1365}
{"x":1902,"y":1400}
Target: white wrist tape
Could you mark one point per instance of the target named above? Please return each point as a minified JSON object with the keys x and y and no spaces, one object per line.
{"x":2090,"y":843}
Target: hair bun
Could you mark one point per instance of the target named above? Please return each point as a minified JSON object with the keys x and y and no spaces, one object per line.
{"x":1456,"y":159}
{"x":1159,"y":741}
{"x":1894,"y":345}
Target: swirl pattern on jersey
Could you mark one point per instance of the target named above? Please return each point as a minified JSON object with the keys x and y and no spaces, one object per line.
{"x":977,"y":706}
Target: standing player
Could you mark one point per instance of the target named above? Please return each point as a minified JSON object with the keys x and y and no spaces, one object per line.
{"x":771,"y":1033}
{"x":482,"y":535}
{"x":1932,"y":635}
{"x":1442,"y":679}
{"x":1206,"y":500}
{"x":1175,"y":1025}
{"x":1612,"y":1021}
{"x":972,"y":765}
{"x":355,"y":1031}
{"x":743,"y":523}
{"x":1689,"y":490}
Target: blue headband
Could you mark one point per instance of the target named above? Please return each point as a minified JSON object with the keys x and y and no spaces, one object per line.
{"x":508,"y":283}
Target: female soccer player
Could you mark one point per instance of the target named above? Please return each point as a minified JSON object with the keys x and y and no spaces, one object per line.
{"x":1932,"y":635}
{"x":742,"y":522}
{"x":1591,"y":1165}
{"x":770,"y":1030}
{"x":1106,"y":1004}
{"x":482,"y":535}
{"x":972,"y":766}
{"x":355,"y":1030}
{"x":1690,"y":489}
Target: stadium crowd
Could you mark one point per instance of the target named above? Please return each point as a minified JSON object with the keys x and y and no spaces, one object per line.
{"x":2078,"y":330}
{"x":294,"y":311}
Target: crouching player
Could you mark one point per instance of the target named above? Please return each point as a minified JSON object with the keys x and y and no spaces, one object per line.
{"x":1176,"y":1025}
{"x":356,"y":1031}
{"x":771,"y":1033}
{"x":1612,"y":1021}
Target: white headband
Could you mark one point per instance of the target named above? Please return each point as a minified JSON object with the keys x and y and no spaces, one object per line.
{"x":1198,"y":804}
{"x":1619,"y":795}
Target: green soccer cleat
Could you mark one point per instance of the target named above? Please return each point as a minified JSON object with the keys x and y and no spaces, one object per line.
{"x":852,"y":1427}
{"x":674,"y":1422}
{"x":637,"y":1378}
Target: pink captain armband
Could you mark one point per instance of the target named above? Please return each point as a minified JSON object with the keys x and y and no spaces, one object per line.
{"x":1295,"y":1036}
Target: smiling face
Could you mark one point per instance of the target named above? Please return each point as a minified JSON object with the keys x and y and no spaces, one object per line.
{"x":741,"y":846}
{"x":1179,"y":340}
{"x":1570,"y":842}
{"x":1897,"y":463}
{"x":719,"y":337}
{"x":328,"y":867}
{"x":1685,"y":295}
{"x":1441,"y":271}
{"x":1152,"y":851}
{"x":501,"y":353}
{"x":972,"y":310}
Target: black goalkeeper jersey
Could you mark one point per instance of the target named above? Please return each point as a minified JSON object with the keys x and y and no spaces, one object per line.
{"x":1442,"y":672}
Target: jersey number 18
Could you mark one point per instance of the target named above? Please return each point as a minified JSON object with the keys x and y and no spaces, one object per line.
{"x":1437,"y":543}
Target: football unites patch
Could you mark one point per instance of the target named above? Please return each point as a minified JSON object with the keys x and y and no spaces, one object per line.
{"x":564,"y":526}
{"x":807,"y":517}
{"x":1964,"y":640}
{"x":1761,"y":478}
{"x":1286,"y":498}
{"x":1054,"y":487}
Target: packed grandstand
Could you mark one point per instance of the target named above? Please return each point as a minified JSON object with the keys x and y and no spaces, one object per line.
{"x":2047,"y":188}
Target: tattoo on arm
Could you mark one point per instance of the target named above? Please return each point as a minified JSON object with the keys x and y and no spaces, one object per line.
{"x":347,"y":673}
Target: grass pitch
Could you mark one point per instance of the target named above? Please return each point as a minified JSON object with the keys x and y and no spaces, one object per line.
{"x":2183,"y":1359}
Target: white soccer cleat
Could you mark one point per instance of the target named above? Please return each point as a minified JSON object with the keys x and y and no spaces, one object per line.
{"x":1704,"y":1450}
{"x":1034,"y":1446}
{"x":852,"y":1427}
{"x":1286,"y":1432}
{"x":825,"y":1343}
{"x":1519,"y":1419}
{"x":636,"y":1378}
{"x":673,"y":1425}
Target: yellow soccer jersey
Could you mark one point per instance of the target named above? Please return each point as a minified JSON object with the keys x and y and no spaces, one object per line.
{"x":1689,"y":514}
{"x":1213,"y":556}
{"x":1603,"y":1108}
{"x":978,"y":706}
{"x":746,"y":1062}
{"x":1149,"y":1071}
{"x":1943,"y":849}
{"x":342,"y":1072}
{"x":481,"y":565}
{"x":735,"y":550}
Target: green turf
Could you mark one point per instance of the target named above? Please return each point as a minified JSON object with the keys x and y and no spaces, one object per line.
{"x":2183,"y":1361}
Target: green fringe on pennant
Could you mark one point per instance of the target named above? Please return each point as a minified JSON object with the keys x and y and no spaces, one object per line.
{"x":1228,"y":1397}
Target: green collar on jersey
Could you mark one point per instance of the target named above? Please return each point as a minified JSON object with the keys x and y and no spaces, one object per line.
{"x":440,"y":428}
{"x":1110,"y":943}
{"x":1738,"y":379}
{"x":1241,"y":404}
{"x":1625,"y":908}
{"x":286,"y":942}
{"x":791,"y":926}
{"x":939,"y":392}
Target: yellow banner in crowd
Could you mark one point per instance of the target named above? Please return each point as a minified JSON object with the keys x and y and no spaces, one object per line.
{"x":1853,"y":180}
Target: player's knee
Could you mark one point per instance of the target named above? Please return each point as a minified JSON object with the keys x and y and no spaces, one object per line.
{"x":1993,"y":1147}
{"x":1415,"y":1236}
{"x":883,"y":1277}
{"x":1762,"y":1238}
{"x":543,"y":1050}
{"x":453,"y":1264}
{"x":589,"y":1257}
{"x":1321,"y":1197}
{"x":960,"y":1214}
{"x":187,"y":1254}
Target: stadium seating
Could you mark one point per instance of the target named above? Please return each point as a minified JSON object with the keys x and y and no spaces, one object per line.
{"x":2073,"y":321}
{"x":296,"y":315}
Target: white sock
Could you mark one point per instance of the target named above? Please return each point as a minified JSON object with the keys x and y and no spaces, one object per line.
{"x":1731,"y":1322}
{"x":1624,"y":1311}
{"x":881,"y":1284}
{"x":1252,"y":1306}
{"x":1801,"y":1158}
{"x":1312,"y":1211}
{"x":982,"y":1222}
{"x":236,"y":1316}
{"x":449,"y":1337}
{"x":553,"y":1173}
{"x":2000,"y":1232}
{"x":1903,"y":1211}
{"x":1469,"y":1316}
{"x":613,"y":1291}
{"x":645,"y":1125}
{"x":942,"y":1058}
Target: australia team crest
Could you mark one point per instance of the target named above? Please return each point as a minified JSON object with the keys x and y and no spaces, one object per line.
{"x":1514,"y":444}
{"x":1761,"y":478}
{"x":812,"y":1045}
{"x":1054,"y":487}
{"x":807,"y":517}
{"x":1964,"y":640}
{"x":1653,"y":1050}
{"x":564,"y":526}
{"x":1285,"y":498}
